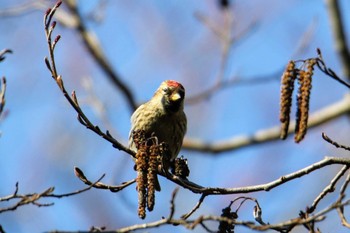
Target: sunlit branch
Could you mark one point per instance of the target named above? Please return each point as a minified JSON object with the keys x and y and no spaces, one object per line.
{"x":317,"y":118}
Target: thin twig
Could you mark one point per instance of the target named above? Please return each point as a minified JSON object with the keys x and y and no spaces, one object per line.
{"x":330,"y":188}
{"x":113,"y":188}
{"x":328,"y":71}
{"x":2,"y":94}
{"x":340,"y":210}
{"x":3,"y":52}
{"x":196,"y":207}
{"x":191,"y":224}
{"x":33,"y":198}
{"x":232,"y":82}
{"x":334,"y":143}
{"x":227,"y":38}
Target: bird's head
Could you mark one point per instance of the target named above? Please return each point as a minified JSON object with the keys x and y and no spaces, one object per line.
{"x":172,"y":95}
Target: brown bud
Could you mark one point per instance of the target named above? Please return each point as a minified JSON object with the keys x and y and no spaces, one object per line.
{"x":58,"y":4}
{"x":60,"y":82}
{"x":58,"y":37}
{"x":181,"y":168}
{"x":48,"y":11}
{"x":53,"y":24}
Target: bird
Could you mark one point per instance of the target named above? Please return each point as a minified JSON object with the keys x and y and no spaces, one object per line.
{"x":162,"y":116}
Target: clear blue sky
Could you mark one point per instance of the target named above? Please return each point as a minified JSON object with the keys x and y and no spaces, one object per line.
{"x":148,"y":42}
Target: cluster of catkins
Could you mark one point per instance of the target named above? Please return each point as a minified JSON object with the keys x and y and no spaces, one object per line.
{"x":148,"y":156}
{"x":304,"y":78}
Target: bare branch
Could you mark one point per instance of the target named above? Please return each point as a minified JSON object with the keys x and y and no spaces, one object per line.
{"x":2,"y":94}
{"x":334,"y":143}
{"x":286,"y":226}
{"x":72,"y":99}
{"x":340,"y":39}
{"x":230,"y":83}
{"x":262,"y":187}
{"x":196,"y":207}
{"x":3,"y":52}
{"x":3,"y":81}
{"x":113,"y":188}
{"x":93,"y":46}
{"x":33,"y":198}
{"x":227,"y":38}
{"x":330,"y":188}
{"x":322,"y":65}
{"x":340,"y":210}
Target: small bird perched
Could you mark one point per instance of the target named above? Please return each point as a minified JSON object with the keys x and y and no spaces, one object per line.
{"x":163,"y":117}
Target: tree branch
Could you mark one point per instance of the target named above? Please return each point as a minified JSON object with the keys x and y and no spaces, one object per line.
{"x":319,"y":117}
{"x":3,"y":82}
{"x":33,"y":198}
{"x":49,"y":26}
{"x":93,"y":46}
{"x":257,"y":188}
{"x":334,"y":143}
{"x":113,"y":188}
{"x":285,"y":226}
{"x":337,"y":27}
{"x":330,"y":188}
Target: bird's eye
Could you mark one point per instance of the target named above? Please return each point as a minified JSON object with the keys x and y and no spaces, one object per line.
{"x":166,"y":90}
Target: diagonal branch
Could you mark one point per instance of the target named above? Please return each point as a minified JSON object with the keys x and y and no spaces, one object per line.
{"x":330,"y":188}
{"x":93,"y":46}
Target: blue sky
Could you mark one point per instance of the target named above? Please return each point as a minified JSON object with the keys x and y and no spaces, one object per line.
{"x":148,"y":42}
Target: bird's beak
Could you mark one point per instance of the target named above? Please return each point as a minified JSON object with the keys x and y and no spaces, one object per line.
{"x":175,"y":97}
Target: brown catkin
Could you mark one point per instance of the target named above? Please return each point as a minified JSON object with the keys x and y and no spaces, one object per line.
{"x":287,"y":87}
{"x":141,"y":167}
{"x":152,"y":180}
{"x":139,"y":138}
{"x":303,"y":99}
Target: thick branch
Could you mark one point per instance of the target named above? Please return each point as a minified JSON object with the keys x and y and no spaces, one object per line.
{"x":324,"y":115}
